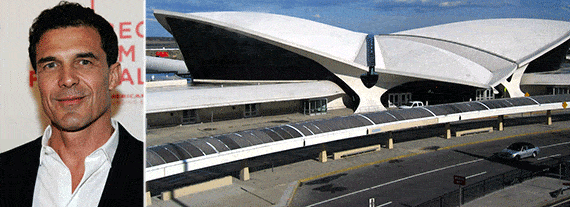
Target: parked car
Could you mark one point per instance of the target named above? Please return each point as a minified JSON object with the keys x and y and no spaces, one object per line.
{"x":519,"y":150}
{"x":412,"y":104}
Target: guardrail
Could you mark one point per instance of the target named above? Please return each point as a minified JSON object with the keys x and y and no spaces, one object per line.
{"x":193,"y":154}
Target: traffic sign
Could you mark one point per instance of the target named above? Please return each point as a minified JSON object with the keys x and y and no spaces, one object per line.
{"x":459,"y":180}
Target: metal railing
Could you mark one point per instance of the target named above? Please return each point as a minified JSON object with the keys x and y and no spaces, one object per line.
{"x":559,"y":168}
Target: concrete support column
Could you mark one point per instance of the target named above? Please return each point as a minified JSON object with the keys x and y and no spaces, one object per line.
{"x":549,"y":117}
{"x":390,"y":144}
{"x":166,"y":195}
{"x":244,"y":172}
{"x":513,"y":87}
{"x":501,"y":120}
{"x":148,"y":198}
{"x":323,"y":154}
{"x":447,"y":130}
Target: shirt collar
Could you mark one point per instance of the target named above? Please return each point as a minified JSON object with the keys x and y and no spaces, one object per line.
{"x":109,"y":148}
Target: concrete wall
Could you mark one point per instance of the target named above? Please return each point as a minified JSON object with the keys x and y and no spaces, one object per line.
{"x":278,"y":108}
{"x":535,"y":90}
{"x":337,"y":102}
{"x":220,"y":113}
{"x":164,"y":119}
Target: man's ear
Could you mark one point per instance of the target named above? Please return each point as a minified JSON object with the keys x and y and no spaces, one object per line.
{"x":114,"y":75}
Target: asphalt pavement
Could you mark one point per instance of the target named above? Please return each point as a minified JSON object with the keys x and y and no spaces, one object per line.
{"x":276,"y":185}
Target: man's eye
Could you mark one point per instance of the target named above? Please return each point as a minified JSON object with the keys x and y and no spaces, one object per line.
{"x":49,"y":65}
{"x":84,"y":62}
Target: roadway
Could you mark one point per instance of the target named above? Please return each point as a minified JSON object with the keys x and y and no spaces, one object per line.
{"x":413,"y":180}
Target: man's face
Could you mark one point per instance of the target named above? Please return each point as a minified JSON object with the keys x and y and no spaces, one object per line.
{"x":74,"y":79}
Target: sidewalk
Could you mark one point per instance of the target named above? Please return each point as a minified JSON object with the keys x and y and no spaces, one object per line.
{"x":533,"y":192}
{"x":275,"y":186}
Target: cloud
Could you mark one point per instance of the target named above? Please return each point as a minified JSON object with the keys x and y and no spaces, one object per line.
{"x":451,"y":4}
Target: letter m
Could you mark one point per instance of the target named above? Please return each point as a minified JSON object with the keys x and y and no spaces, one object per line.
{"x":122,"y":52}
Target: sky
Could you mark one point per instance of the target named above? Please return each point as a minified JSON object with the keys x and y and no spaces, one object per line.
{"x":370,"y":16}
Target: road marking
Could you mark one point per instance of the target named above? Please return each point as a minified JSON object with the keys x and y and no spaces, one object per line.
{"x":385,"y":204}
{"x":551,"y":156}
{"x":472,"y":176}
{"x":414,"y":154}
{"x":563,"y":202}
{"x":506,"y":137}
{"x":554,"y":145}
{"x":359,"y":166}
{"x":395,"y":181}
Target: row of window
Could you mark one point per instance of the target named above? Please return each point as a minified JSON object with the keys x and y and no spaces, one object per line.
{"x":310,"y":107}
{"x":560,"y":90}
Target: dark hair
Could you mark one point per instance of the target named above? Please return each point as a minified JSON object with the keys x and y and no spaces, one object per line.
{"x":67,"y":14}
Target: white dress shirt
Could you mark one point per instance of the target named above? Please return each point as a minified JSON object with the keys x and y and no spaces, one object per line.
{"x":53,"y":182}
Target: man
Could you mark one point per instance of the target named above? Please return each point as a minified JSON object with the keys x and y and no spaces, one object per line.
{"x":84,"y":158}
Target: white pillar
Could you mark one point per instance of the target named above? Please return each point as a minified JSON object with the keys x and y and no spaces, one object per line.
{"x":390,"y":144}
{"x":447,"y":130}
{"x":323,"y":154}
{"x":244,"y":172}
{"x":513,"y":87}
{"x":501,"y":120}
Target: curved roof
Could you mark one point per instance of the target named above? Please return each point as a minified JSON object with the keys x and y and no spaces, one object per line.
{"x":519,"y":40}
{"x":479,"y":53}
{"x":440,"y":60}
{"x":339,"y":43}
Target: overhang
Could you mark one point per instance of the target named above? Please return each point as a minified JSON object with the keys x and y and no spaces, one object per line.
{"x":166,"y":99}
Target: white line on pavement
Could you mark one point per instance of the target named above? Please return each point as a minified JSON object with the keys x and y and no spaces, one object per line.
{"x":395,"y":181}
{"x":554,"y":145}
{"x":472,"y":176}
{"x":551,"y":156}
{"x":385,"y":204}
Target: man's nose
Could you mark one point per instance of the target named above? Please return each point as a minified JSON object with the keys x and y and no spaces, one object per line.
{"x":68,"y":77}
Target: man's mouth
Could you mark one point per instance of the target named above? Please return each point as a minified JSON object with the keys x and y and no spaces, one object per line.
{"x":70,"y":100}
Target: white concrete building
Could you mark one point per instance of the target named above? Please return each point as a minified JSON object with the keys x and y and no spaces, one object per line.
{"x":506,"y":56}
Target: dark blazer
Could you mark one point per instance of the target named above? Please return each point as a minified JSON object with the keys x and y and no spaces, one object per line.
{"x":124,"y":186}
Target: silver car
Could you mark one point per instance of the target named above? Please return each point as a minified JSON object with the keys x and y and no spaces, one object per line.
{"x":519,"y":150}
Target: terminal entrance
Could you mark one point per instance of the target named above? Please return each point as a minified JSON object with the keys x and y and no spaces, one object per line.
{"x":398,"y":99}
{"x":484,"y":94}
{"x":559,"y":90}
{"x":315,"y":106}
{"x":433,"y":92}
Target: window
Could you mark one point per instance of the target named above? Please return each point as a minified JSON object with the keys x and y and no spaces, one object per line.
{"x":398,"y":99}
{"x":315,"y":107}
{"x":189,"y":117}
{"x":484,"y":94}
{"x":560,"y":90}
{"x":251,"y":110}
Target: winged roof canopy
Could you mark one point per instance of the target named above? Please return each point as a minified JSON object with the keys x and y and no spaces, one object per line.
{"x":480,"y":53}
